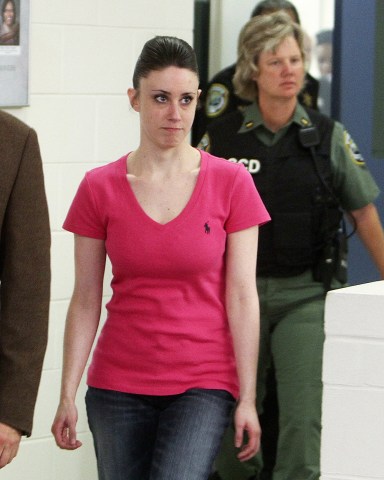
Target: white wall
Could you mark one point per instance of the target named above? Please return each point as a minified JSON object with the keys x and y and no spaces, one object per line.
{"x":353,"y":375}
{"x":82,"y":55}
{"x":228,"y":17}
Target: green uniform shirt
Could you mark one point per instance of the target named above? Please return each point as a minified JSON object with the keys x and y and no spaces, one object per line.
{"x":352,"y":182}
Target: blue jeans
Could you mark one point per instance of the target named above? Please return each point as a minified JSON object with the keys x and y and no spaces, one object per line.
{"x":143,"y":437}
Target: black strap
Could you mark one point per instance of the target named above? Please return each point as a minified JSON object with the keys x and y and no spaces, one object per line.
{"x":334,"y":259}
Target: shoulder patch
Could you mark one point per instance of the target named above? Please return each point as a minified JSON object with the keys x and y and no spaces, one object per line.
{"x":307,"y":99}
{"x":353,"y":150}
{"x":217,"y":100}
{"x":204,"y":143}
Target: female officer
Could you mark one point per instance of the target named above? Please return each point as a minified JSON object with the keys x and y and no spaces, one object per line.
{"x":219,"y":97}
{"x":180,"y":341}
{"x":307,"y":169}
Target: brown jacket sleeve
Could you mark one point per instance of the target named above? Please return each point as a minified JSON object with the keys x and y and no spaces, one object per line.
{"x":24,"y":272}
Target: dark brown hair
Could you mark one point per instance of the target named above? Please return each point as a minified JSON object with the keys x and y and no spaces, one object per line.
{"x":161,"y":52}
{"x":269,"y":6}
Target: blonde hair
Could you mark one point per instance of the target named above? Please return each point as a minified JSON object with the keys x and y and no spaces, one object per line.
{"x":260,"y":34}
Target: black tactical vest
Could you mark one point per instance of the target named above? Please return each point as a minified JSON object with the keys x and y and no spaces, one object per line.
{"x":304,"y":213}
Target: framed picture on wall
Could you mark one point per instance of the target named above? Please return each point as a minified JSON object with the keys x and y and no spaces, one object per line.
{"x":14,"y":53}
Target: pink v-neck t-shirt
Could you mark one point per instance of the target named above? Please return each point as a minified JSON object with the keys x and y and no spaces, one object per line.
{"x":166,"y":329}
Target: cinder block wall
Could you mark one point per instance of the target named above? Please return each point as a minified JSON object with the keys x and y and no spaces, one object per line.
{"x":82,"y":55}
{"x":353,"y":401}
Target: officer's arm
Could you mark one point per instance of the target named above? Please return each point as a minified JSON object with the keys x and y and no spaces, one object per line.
{"x":370,"y":231}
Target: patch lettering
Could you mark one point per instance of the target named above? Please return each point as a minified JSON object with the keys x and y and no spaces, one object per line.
{"x":252,"y":165}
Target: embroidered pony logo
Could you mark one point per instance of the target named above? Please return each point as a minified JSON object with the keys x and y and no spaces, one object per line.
{"x":207,"y":228}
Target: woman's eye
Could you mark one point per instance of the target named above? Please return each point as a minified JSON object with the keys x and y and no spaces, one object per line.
{"x":161,"y":98}
{"x":186,"y":100}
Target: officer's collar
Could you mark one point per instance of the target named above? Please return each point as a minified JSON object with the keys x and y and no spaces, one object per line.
{"x":301,"y":116}
{"x":254,"y":119}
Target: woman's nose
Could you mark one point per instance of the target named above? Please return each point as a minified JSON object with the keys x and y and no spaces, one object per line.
{"x":174,"y":110}
{"x":287,"y":67}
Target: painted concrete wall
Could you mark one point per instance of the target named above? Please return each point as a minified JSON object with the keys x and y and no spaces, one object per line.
{"x":82,"y":55}
{"x":353,"y":414}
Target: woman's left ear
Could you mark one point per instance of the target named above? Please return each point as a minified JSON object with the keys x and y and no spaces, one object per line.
{"x":133,"y":98}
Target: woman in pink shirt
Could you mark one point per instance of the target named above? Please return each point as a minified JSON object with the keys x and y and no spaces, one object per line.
{"x":179,"y":347}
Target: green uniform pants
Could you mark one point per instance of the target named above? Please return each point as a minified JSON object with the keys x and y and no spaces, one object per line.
{"x":292,"y":334}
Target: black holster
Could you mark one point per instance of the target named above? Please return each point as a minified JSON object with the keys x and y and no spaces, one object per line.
{"x":333,"y":261}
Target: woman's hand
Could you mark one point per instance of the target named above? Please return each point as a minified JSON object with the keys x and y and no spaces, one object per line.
{"x":9,"y":444}
{"x":64,"y":426}
{"x":247,"y":430}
